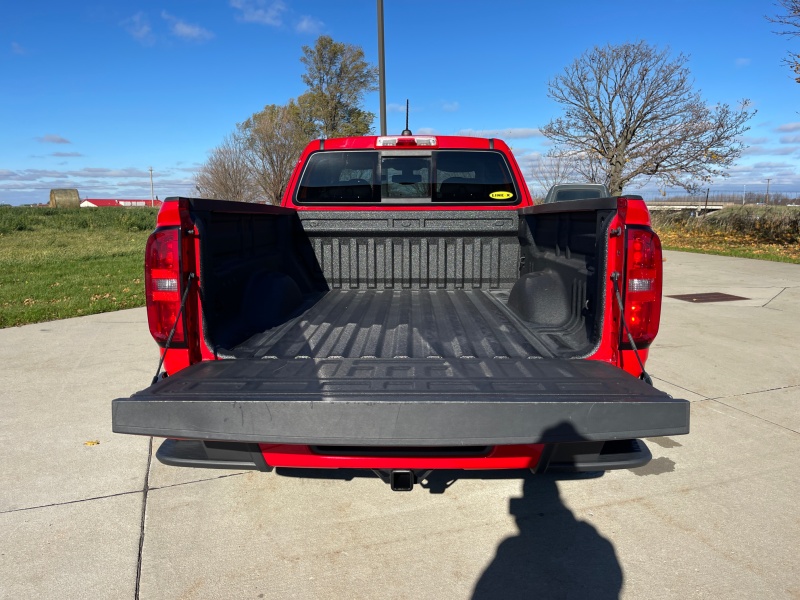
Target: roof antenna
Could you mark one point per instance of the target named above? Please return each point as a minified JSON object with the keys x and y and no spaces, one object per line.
{"x":406,"y":131}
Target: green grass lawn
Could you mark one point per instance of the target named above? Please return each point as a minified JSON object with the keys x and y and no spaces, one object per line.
{"x":59,"y":263}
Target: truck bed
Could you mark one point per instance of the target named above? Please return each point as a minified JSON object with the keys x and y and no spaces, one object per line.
{"x":402,"y":328}
{"x":408,"y":324}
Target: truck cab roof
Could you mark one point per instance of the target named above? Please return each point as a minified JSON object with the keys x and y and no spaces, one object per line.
{"x":575,"y":191}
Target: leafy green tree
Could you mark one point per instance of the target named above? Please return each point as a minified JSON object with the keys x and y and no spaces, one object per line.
{"x":338,"y":77}
{"x":630,"y":113}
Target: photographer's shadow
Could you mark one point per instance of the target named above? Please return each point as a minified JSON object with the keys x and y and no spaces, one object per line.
{"x":553,"y":556}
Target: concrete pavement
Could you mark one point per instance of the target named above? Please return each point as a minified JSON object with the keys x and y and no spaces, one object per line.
{"x":712,"y":516}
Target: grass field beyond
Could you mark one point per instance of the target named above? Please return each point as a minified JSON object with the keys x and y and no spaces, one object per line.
{"x":59,"y":263}
{"x":761,"y":232}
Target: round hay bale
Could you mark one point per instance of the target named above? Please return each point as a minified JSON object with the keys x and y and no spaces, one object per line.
{"x":64,"y":198}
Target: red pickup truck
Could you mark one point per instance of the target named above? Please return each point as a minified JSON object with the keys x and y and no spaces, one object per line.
{"x":406,"y":309}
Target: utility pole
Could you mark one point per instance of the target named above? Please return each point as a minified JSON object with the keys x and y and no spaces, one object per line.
{"x":744,"y":193}
{"x":381,"y":68}
{"x":767,"y":199}
{"x":151,"y":187}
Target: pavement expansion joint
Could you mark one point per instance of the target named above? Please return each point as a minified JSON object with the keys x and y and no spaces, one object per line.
{"x":145,"y":489}
{"x":67,"y":502}
{"x":172,"y":485}
{"x":775,"y":389}
{"x":773,"y":298}
{"x":680,"y":387}
{"x":760,"y":418}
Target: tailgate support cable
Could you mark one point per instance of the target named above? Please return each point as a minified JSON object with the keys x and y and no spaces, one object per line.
{"x":174,"y":327}
{"x":644,"y":376}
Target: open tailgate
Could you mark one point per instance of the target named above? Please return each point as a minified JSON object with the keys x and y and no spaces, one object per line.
{"x":401,"y":402}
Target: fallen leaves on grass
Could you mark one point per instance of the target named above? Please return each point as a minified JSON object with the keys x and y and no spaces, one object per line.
{"x":106,"y":296}
{"x":727,"y":244}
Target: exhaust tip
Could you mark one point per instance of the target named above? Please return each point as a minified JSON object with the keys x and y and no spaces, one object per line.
{"x":401,"y":481}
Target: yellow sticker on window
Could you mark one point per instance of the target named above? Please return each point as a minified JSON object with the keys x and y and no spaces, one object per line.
{"x":501,"y":195}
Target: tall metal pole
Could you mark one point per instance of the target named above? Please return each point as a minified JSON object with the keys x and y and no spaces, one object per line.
{"x":766,"y":201}
{"x":152,"y":198}
{"x":381,"y":68}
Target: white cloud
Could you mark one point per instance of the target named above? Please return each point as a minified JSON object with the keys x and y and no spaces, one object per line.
{"x":450,"y":106}
{"x":762,"y":151}
{"x":33,"y":185}
{"x":772,"y":165}
{"x":66,"y":154}
{"x":526,"y":159}
{"x":138,"y":26}
{"x":258,"y":11}
{"x":17,"y":49}
{"x":86,"y":172}
{"x":758,"y":172}
{"x":512,"y":133}
{"x":788,"y":127}
{"x":743,"y":62}
{"x":51,"y":138}
{"x":187,"y":31}
{"x":755,"y":140}
{"x":426,"y":131}
{"x":790,"y":139}
{"x":309,"y":25}
{"x":394,"y":107}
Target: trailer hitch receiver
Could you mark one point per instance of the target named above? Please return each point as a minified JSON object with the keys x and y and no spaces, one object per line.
{"x":402,"y":480}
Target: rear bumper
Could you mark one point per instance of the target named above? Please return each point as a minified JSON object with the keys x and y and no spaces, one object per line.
{"x":556,"y":458}
{"x":477,"y":402}
{"x":211,"y":455}
{"x":583,"y":457}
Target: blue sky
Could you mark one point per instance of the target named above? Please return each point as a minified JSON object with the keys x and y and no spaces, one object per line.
{"x":92,"y":94}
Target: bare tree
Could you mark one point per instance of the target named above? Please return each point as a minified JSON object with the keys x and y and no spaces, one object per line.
{"x":273,"y":140}
{"x":632,"y":113}
{"x":790,"y":20}
{"x":226,"y":173}
{"x":337,"y":77}
{"x":554,"y":168}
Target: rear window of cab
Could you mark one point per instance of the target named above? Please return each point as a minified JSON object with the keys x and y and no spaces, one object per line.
{"x":407,"y":177}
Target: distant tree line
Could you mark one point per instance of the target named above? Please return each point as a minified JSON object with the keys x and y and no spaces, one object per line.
{"x":254,"y":162}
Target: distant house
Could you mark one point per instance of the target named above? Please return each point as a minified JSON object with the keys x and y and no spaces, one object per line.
{"x":101,"y":202}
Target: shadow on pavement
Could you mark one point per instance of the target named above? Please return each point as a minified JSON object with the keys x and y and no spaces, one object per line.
{"x":553,"y":556}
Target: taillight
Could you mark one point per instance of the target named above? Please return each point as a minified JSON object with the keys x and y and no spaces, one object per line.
{"x":643,"y":278}
{"x":162,"y":285}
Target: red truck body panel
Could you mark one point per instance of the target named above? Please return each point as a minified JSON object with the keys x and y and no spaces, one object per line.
{"x":631,"y":212}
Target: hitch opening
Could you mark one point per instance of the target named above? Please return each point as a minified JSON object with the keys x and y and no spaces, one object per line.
{"x":401,"y":481}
